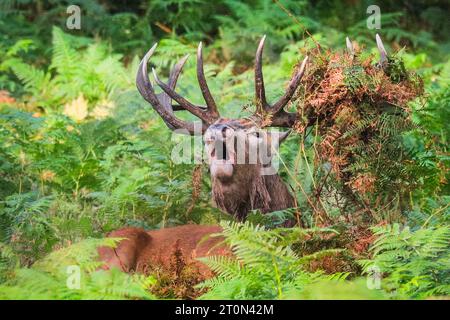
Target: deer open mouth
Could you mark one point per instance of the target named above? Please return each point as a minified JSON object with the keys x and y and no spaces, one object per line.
{"x":222,"y":160}
{"x":220,"y":152}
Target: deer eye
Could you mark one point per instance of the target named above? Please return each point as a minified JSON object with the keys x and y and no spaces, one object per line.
{"x":255,"y":134}
{"x":227,"y":132}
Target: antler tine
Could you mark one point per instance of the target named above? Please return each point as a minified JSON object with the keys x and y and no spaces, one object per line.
{"x":260,"y":92}
{"x":145,"y":88}
{"x":280,"y":117}
{"x":382,"y":50}
{"x":165,"y":99}
{"x":293,"y":85}
{"x":211,"y":104}
{"x":192,"y":108}
{"x":351,"y":50}
{"x":142,"y":82}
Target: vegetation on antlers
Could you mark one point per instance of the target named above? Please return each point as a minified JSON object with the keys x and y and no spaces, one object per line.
{"x":360,"y":111}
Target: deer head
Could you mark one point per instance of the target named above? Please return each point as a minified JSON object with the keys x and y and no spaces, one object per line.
{"x":241,"y":181}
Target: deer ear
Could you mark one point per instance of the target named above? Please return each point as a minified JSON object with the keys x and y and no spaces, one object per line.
{"x":282,"y":136}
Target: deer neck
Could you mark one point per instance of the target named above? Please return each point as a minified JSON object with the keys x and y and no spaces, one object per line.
{"x":264,"y":192}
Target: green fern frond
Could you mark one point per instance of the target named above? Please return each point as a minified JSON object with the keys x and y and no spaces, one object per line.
{"x":53,"y":276}
{"x":413,"y":262}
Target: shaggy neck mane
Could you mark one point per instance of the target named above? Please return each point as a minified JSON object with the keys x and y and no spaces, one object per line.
{"x":266,"y":192}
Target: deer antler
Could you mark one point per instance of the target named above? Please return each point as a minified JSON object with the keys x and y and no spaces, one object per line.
{"x":383,"y":53}
{"x":204,"y":86}
{"x":350,"y":48}
{"x":162,"y":103}
{"x":280,"y":117}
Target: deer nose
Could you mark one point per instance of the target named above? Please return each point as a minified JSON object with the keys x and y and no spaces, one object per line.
{"x":209,"y":136}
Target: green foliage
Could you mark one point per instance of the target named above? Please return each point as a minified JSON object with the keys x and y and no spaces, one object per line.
{"x":77,"y":66}
{"x":265,"y":265}
{"x":22,"y":220}
{"x":429,"y":144}
{"x":415,"y":263}
{"x":430,"y":212}
{"x":55,"y":277}
{"x":338,"y":290}
{"x":8,"y":57}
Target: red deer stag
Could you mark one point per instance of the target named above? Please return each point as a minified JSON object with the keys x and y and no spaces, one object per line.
{"x":237,"y":187}
{"x":238,"y":183}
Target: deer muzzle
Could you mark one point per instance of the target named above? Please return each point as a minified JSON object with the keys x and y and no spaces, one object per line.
{"x":219,"y":143}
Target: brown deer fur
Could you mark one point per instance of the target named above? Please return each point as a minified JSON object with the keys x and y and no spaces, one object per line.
{"x":142,"y":251}
{"x":248,"y":190}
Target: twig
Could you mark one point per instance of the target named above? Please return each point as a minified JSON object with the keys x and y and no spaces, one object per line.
{"x":163,"y":27}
